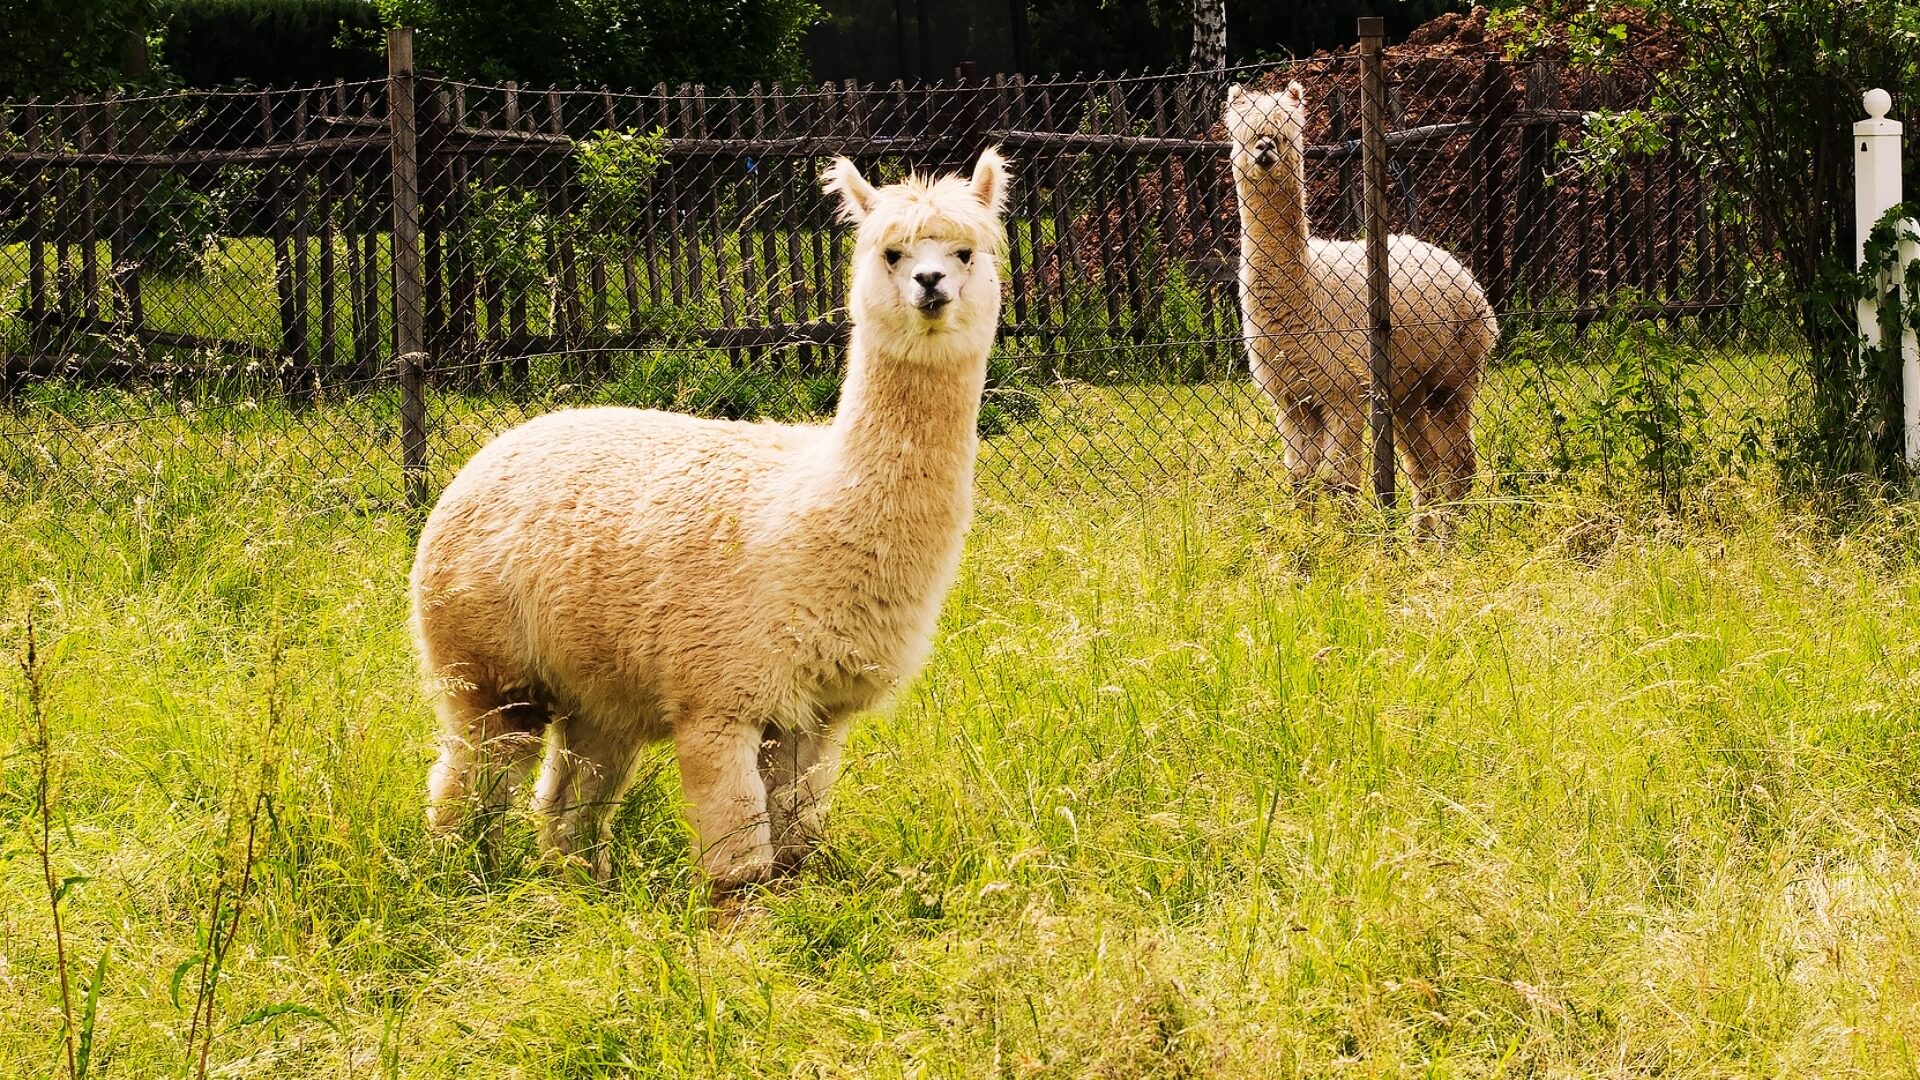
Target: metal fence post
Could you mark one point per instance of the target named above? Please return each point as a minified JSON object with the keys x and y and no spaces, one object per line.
{"x":1373,"y":157}
{"x":1876,"y":190}
{"x":409,"y":318}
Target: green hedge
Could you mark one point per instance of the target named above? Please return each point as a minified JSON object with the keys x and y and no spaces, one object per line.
{"x":272,"y":42}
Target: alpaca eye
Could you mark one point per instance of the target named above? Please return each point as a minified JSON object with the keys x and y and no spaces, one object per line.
{"x":965,"y":254}
{"x":893,"y":256}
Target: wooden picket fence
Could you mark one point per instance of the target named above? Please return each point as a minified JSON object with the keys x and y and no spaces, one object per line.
{"x":1123,"y":201}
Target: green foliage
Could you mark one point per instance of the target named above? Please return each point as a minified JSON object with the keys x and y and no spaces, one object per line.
{"x":619,"y":43}
{"x":1008,"y":401}
{"x":507,"y":230}
{"x":178,"y":226}
{"x":1766,"y":95}
{"x":1586,"y":31}
{"x":272,"y":42}
{"x":58,"y":47}
{"x":1610,"y":140}
{"x":1855,"y":425}
{"x":706,"y":384}
{"x":862,"y":39}
{"x":1651,"y":419}
{"x":175,"y":226}
{"x":615,"y":170}
{"x":1648,"y":414}
{"x":503,"y":235}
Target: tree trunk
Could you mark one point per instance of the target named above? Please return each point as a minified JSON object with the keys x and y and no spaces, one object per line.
{"x":1209,"y":35}
{"x":1208,"y":60}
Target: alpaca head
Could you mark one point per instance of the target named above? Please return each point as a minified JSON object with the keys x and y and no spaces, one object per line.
{"x":927,"y":254}
{"x":1268,"y":130}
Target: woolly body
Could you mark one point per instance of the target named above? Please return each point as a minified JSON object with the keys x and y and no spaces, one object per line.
{"x":597,"y":579}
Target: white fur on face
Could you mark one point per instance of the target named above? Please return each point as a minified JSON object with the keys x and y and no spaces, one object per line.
{"x":927,"y":253}
{"x":1268,"y":130}
{"x":929,"y":273}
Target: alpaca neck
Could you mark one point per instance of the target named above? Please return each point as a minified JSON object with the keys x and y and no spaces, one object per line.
{"x":904,"y":438}
{"x":1273,"y":239}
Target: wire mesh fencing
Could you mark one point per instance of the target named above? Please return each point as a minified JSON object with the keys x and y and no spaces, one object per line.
{"x":347,"y":289}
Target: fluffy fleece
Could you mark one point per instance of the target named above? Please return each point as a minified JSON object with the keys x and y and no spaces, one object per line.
{"x":598,"y":579}
{"x":1304,"y":307}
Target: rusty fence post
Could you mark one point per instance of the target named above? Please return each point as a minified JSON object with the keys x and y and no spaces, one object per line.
{"x":409,"y":318}
{"x":1373,"y":156}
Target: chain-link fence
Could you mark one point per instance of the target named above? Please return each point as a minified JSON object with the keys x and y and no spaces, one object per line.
{"x":348,"y":288}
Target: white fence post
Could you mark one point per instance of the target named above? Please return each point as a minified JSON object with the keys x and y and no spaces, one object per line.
{"x":1877,"y":189}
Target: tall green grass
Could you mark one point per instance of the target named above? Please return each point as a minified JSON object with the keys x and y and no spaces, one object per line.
{"x":1196,"y":784}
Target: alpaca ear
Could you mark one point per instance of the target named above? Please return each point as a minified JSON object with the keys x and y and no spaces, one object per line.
{"x":1295,"y":93}
{"x":843,"y":178}
{"x":1235,"y":92}
{"x":990,"y":179}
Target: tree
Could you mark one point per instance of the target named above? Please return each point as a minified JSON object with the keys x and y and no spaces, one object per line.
{"x":622,"y":43}
{"x":58,"y":47}
{"x":271,"y":42}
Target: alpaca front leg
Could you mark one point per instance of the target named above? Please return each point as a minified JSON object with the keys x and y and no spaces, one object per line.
{"x":799,"y":769}
{"x":726,"y":800}
{"x":585,"y":776}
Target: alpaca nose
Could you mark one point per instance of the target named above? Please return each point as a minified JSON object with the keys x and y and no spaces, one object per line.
{"x":928,"y":279}
{"x":1264,"y":144}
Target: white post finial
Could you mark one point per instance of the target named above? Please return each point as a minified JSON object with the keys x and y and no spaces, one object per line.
{"x":1877,"y":102}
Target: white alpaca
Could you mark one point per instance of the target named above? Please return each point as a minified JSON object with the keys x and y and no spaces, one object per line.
{"x":1304,"y":307}
{"x":600,"y":578}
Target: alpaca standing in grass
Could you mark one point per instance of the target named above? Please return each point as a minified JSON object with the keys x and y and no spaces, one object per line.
{"x":1304,"y":306}
{"x":598,"y":579}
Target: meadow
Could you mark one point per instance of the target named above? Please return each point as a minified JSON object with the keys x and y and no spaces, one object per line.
{"x":1198,"y":783}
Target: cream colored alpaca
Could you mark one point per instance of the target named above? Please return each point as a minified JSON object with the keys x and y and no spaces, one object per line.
{"x":1304,"y":307}
{"x":601,"y":578}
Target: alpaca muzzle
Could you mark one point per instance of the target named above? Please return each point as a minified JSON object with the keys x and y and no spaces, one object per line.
{"x":933,"y":294}
{"x":1265,"y":152}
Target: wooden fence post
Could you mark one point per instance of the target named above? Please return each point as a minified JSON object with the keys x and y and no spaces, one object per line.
{"x":1373,"y":152}
{"x":39,"y":307}
{"x":1493,"y":106}
{"x":409,"y":318}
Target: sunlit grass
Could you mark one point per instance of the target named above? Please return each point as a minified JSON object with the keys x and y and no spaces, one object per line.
{"x":1197,"y":783}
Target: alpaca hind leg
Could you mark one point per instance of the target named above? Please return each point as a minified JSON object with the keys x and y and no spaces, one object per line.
{"x":489,"y":742}
{"x":726,"y":799}
{"x":799,"y":769}
{"x":1415,"y":430}
{"x":1454,"y":434}
{"x":1303,"y":432}
{"x":587,"y":771}
{"x":1454,"y":463}
{"x":1345,"y":442}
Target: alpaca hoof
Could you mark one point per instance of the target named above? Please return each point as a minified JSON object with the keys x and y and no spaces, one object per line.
{"x":1431,"y":526}
{"x":574,"y":868}
{"x":445,"y":815}
{"x":733,"y":887}
{"x":735,"y":911}
{"x":788,"y":860}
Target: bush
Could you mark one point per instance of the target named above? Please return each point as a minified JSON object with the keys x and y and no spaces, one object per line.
{"x":272,"y":42}
{"x":620,"y":43}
